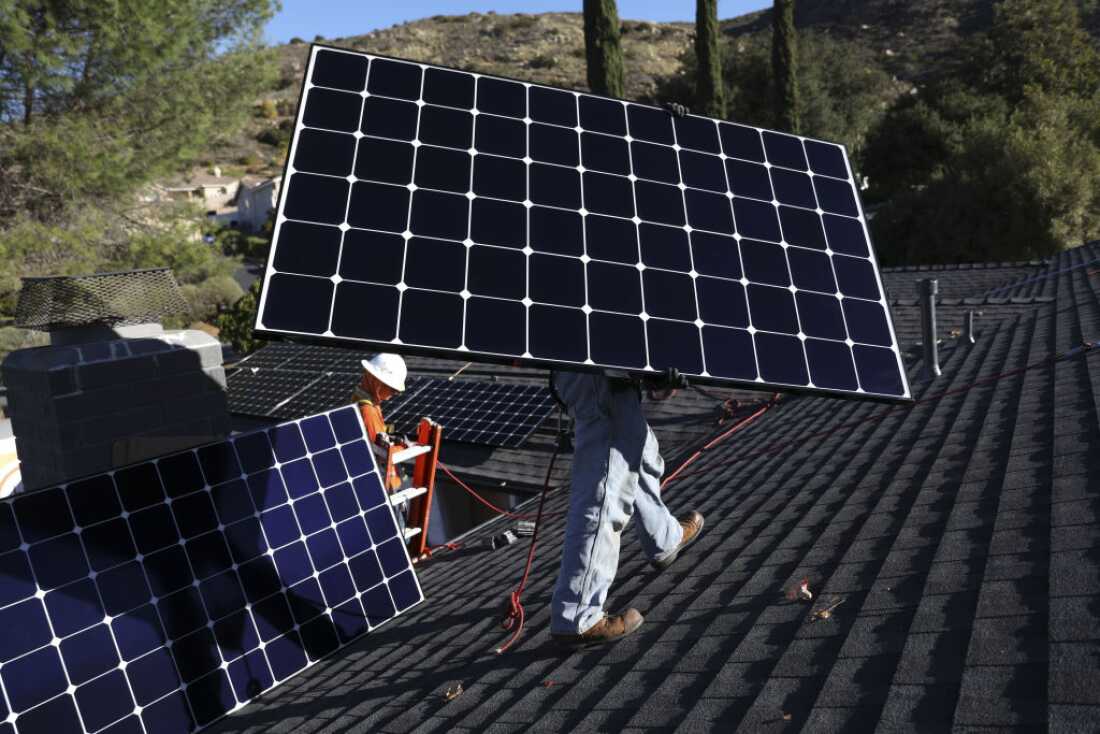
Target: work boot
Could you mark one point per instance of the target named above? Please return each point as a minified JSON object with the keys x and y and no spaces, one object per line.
{"x":692,"y":523}
{"x":612,"y":628}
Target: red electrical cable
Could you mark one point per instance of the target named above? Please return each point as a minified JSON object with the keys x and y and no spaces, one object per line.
{"x":515,"y":614}
{"x":487,"y":503}
{"x":718,"y":439}
{"x":429,"y":552}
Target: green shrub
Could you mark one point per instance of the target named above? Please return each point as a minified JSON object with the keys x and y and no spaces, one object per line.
{"x":543,"y":61}
{"x":274,"y":136}
{"x":236,"y":323}
{"x":268,"y":110}
{"x":211,"y":297}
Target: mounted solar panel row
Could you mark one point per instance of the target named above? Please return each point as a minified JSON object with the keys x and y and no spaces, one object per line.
{"x":266,"y":393}
{"x":288,"y":381}
{"x":492,"y":413}
{"x":431,"y":210}
{"x":161,"y":596}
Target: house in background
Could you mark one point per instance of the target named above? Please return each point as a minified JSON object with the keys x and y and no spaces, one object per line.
{"x":215,"y":192}
{"x":245,"y":203}
{"x":256,"y":201}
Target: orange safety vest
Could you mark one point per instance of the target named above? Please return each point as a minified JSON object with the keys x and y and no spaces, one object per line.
{"x":376,"y":424}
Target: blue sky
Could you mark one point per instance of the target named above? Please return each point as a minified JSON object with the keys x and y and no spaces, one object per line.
{"x":336,"y":18}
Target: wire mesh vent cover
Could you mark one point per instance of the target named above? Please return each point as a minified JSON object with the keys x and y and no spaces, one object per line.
{"x":114,"y":299}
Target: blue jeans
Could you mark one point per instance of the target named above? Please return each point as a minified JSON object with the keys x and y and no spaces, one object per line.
{"x":616,"y":473}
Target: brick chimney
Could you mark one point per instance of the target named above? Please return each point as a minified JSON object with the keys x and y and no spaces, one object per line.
{"x":113,"y":387}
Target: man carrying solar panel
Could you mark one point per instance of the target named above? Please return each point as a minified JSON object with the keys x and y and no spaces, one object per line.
{"x":616,"y":474}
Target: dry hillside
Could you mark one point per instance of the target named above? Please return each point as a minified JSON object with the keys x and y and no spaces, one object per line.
{"x":908,"y":37}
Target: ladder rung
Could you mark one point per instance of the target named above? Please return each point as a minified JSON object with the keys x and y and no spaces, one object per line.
{"x":411,"y":533}
{"x":407,"y":494}
{"x":410,"y":453}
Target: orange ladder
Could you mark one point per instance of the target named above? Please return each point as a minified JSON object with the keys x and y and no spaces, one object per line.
{"x":424,"y":452}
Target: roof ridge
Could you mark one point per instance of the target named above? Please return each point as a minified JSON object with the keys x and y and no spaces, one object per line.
{"x":984,"y":300}
{"x":939,"y":267}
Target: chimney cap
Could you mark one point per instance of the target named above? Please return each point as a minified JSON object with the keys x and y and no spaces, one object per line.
{"x":117,"y":299}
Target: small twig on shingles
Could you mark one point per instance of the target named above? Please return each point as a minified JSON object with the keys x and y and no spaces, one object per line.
{"x":452,"y":692}
{"x":826,"y":612}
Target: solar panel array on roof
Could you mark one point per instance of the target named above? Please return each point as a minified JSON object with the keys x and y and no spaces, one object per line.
{"x":287,"y":381}
{"x":428,"y":209}
{"x":305,"y":379}
{"x":491,"y":413}
{"x":169,"y":593}
{"x":266,"y":393}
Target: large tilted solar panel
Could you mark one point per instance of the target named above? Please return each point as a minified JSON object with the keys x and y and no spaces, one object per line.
{"x":437,"y":211}
{"x":491,"y":413}
{"x":161,"y":596}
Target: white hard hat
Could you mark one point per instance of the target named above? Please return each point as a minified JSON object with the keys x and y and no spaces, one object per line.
{"x":389,"y":368}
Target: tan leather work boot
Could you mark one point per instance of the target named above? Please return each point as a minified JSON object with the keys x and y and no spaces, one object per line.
{"x":692,"y":523}
{"x":612,"y":628}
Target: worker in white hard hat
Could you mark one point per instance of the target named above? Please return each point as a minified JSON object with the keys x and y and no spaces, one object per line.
{"x":383,"y":377}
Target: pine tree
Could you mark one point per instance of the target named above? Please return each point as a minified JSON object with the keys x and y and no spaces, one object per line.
{"x":785,"y":66}
{"x":709,"y":90}
{"x":1038,"y":44}
{"x":97,"y":98}
{"x":602,"y":47}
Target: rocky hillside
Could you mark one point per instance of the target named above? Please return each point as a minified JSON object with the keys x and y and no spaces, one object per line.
{"x":908,"y":37}
{"x":547,"y":48}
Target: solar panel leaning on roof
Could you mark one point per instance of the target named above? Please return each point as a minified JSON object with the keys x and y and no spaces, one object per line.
{"x":437,"y":211}
{"x":171,"y":592}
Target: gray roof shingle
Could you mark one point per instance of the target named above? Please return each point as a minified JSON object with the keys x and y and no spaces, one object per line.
{"x":968,"y":280}
{"x":961,"y":536}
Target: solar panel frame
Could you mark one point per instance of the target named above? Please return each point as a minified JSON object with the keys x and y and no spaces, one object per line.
{"x":663,"y":333}
{"x":164,"y":595}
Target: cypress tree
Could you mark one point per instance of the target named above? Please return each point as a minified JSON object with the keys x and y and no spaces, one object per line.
{"x":785,"y":66}
{"x":709,"y":92}
{"x":602,"y":47}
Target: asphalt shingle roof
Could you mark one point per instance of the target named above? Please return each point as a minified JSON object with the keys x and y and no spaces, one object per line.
{"x":968,"y":280}
{"x":961,"y":537}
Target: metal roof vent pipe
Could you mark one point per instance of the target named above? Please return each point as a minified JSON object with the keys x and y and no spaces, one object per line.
{"x":929,"y":288}
{"x":113,"y":388}
{"x":968,"y":328}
